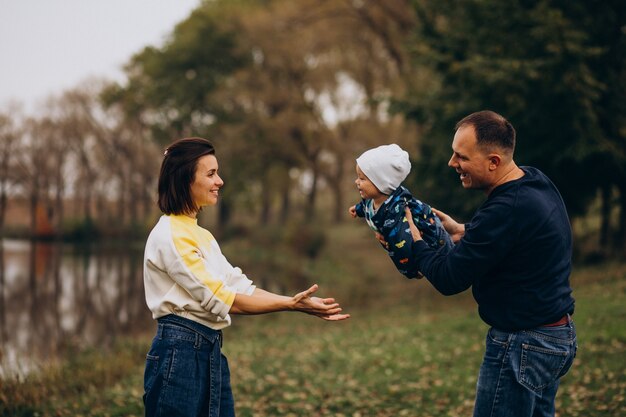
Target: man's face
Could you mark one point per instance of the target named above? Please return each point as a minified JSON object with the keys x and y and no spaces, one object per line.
{"x":469,"y":161}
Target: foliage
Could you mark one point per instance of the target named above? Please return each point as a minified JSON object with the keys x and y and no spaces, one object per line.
{"x":177,"y":80}
{"x":548,"y":66}
{"x":265,"y":81}
{"x":291,"y":92}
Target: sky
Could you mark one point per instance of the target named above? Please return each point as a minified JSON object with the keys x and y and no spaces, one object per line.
{"x":49,"y":46}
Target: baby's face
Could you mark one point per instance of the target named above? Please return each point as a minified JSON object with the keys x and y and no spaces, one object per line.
{"x":366,"y":188}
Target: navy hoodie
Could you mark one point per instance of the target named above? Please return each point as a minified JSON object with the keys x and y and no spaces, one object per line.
{"x":516,"y":255}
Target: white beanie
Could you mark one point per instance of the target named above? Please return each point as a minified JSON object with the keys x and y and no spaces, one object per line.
{"x":386,"y":167}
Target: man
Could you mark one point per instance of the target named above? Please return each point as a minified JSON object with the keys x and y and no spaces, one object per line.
{"x":515,"y":253}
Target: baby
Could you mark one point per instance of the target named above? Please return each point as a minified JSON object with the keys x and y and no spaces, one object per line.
{"x":379,"y":173}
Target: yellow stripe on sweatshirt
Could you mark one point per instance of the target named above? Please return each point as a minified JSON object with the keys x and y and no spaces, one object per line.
{"x":182,"y":228}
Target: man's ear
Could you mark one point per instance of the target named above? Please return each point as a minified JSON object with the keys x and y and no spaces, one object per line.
{"x":494,"y":161}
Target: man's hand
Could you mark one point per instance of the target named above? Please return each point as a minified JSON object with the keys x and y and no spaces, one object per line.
{"x":324,"y":308}
{"x":415,"y":233}
{"x":382,"y":240}
{"x":352,"y":211}
{"x":455,"y":230}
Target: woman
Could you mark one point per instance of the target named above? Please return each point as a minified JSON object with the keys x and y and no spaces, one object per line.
{"x":191,"y":288}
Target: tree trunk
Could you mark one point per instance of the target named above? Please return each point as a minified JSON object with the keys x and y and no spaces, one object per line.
{"x":340,"y":210}
{"x":87,"y":204}
{"x":337,"y":189}
{"x":34,"y":203}
{"x":4,"y":174}
{"x":285,"y":206}
{"x":605,"y":218}
{"x":134,"y":205}
{"x":620,"y":242}
{"x":224,"y":213}
{"x":147,"y":199}
{"x":4,"y":334}
{"x":266,"y":201}
{"x":312,"y":196}
{"x":58,"y":206}
{"x":121,"y":201}
{"x":3,"y":208}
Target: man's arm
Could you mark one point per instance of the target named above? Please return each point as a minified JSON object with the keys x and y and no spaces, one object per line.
{"x":426,"y":258}
{"x":436,"y":267}
{"x":455,"y":230}
{"x":477,"y":253}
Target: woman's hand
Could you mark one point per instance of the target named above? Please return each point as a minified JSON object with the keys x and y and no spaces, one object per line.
{"x":455,"y":230}
{"x":324,"y":308}
{"x":261,"y":302}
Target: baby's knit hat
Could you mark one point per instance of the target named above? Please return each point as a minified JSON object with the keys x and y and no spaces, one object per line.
{"x":386,"y":166}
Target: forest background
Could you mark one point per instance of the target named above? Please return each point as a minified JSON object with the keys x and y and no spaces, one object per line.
{"x":292,"y":92}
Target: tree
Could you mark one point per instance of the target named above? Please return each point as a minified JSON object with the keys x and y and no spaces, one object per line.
{"x":604,"y":22}
{"x":264,"y":76}
{"x":323,"y":83}
{"x":9,"y":137}
{"x":54,"y":159}
{"x":32,"y":168}
{"x":536,"y":63}
{"x":170,"y":88}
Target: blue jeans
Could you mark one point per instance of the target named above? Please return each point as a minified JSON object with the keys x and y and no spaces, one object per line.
{"x":186,"y":374}
{"x":520,"y":372}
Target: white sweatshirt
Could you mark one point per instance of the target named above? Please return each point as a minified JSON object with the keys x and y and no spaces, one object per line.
{"x":185,"y":273}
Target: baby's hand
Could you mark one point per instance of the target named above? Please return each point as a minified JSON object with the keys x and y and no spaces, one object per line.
{"x":352,"y":211}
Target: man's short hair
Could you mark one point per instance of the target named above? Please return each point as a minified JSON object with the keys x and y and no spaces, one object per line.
{"x":178,"y":171}
{"x":492,"y":130}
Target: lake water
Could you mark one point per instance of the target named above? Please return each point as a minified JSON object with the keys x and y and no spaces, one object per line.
{"x":54,"y":297}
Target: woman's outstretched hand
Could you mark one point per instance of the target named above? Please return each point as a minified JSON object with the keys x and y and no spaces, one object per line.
{"x":324,"y":308}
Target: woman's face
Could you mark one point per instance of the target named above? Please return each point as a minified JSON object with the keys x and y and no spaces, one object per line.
{"x":206,"y":184}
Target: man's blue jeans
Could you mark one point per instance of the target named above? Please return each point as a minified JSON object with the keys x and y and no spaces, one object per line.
{"x":520,"y":372}
{"x":186,"y":374}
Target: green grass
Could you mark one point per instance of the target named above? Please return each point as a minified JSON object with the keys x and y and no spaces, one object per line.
{"x":385,"y":364}
{"x":406,"y":351}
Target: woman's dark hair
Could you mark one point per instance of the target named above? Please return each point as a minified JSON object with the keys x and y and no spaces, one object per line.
{"x":491,"y":130}
{"x":178,"y":171}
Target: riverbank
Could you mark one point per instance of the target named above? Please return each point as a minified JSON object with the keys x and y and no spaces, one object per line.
{"x":382,"y":362}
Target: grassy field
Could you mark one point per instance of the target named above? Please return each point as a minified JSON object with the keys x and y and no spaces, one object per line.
{"x":407,"y":351}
